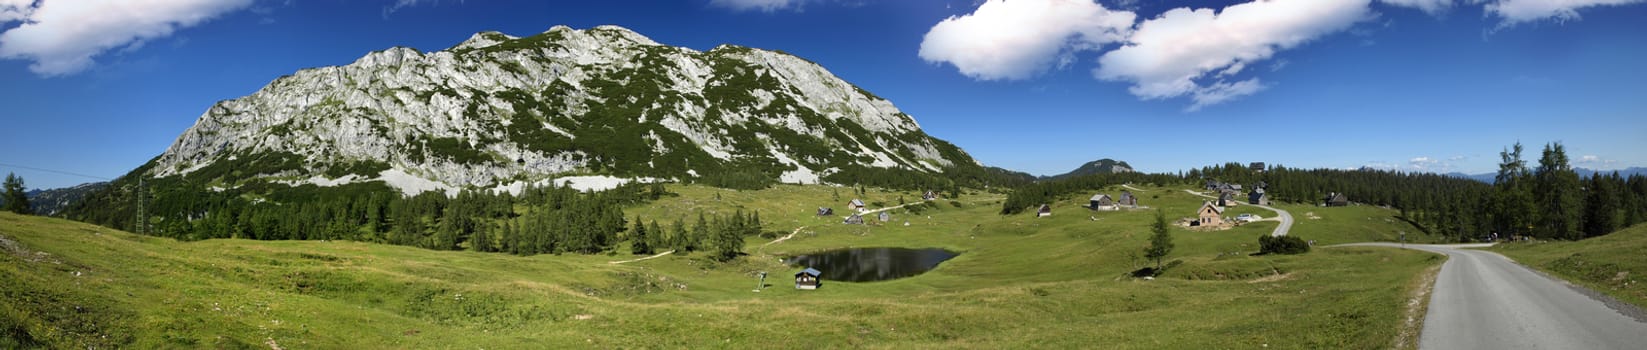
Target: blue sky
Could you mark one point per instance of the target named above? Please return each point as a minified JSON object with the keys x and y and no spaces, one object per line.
{"x":1037,"y":86}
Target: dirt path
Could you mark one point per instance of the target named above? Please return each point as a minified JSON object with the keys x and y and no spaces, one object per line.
{"x":659,"y":255}
{"x":784,"y":238}
{"x":1134,"y":188}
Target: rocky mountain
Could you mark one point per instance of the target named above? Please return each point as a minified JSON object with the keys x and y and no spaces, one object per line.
{"x":601,"y":104}
{"x":1101,"y":166}
{"x":53,"y":201}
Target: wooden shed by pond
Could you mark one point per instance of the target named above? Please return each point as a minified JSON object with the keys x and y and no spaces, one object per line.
{"x":808,"y":279}
{"x":1046,"y":210}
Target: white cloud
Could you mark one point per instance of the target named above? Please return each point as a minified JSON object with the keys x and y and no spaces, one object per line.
{"x":63,"y":36}
{"x":1167,"y":55}
{"x":1520,"y":11}
{"x":1512,"y":12}
{"x":401,"y":4}
{"x":1433,"y":7}
{"x":761,"y":5}
{"x":1220,"y":92}
{"x":1004,"y":40}
{"x":1588,"y":159}
{"x":15,"y":10}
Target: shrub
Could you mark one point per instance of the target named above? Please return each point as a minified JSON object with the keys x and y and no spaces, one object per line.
{"x":1282,"y":245}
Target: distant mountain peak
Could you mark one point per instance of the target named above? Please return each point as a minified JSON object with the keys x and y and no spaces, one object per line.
{"x":1101,"y":166}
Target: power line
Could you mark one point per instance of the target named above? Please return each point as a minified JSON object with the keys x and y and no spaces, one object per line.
{"x":55,"y":171}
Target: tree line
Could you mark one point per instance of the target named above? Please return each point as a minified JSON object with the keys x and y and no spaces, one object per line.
{"x":1547,"y":200}
{"x":540,"y":220}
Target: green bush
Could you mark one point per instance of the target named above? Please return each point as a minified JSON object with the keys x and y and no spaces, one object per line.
{"x":1282,"y":245}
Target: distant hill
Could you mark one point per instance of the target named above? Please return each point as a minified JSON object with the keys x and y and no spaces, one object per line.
{"x":1101,"y":166}
{"x":1582,"y":172}
{"x":52,"y":201}
{"x":1011,"y":176}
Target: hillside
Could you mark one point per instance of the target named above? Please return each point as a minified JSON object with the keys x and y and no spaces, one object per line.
{"x":1101,"y":166}
{"x":1612,"y":264}
{"x":1019,"y":282}
{"x":52,"y":202}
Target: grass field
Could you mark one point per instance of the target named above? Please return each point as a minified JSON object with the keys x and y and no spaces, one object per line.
{"x":1020,"y":281}
{"x":1611,"y":264}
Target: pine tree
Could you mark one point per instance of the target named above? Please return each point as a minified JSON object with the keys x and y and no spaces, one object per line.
{"x":699,"y":235}
{"x":654,"y":237}
{"x":1160,"y":243}
{"x":16,"y":200}
{"x":1601,"y":207}
{"x":1558,"y":194}
{"x":639,"y":243}
{"x":1513,"y":199}
{"x":678,"y":236}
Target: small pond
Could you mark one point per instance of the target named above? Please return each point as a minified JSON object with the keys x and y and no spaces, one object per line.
{"x":872,"y":264}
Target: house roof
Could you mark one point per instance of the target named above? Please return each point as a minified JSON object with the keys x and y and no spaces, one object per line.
{"x":1099,"y":196}
{"x":857,"y":202}
{"x":1215,"y":208}
{"x":809,"y":271}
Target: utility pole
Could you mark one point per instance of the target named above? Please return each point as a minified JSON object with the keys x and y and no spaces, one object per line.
{"x":142,"y":215}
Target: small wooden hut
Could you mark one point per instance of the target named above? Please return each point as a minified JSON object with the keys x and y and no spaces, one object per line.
{"x":1046,"y":210}
{"x":1101,"y":202}
{"x":823,"y":211}
{"x":1128,"y":200}
{"x":1336,"y":199}
{"x":808,"y":279}
{"x":855,"y":204}
{"x":855,"y":219}
{"x":885,"y":216}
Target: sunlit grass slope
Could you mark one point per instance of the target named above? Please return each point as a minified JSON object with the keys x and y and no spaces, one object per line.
{"x":1020,"y":281}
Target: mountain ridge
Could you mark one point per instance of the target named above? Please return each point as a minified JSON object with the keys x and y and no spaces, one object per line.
{"x":498,"y":111}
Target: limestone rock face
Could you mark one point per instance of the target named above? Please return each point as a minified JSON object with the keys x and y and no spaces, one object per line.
{"x":497,"y":110}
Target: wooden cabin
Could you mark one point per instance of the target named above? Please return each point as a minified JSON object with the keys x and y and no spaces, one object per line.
{"x":1336,"y":199}
{"x":1101,"y":202}
{"x":822,"y":211}
{"x":929,"y":195}
{"x":855,"y":219}
{"x":1210,"y":214}
{"x":1128,"y":200}
{"x":808,"y":279}
{"x":1257,"y":197}
{"x":1256,"y":166}
{"x":855,"y":204}
{"x":1227,"y":199}
{"x":885,"y":216}
{"x":1213,"y":185}
{"x":1046,"y":210}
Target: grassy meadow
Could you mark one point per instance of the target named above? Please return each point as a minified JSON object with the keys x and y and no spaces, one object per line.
{"x":1611,"y":264}
{"x":1020,"y":281}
